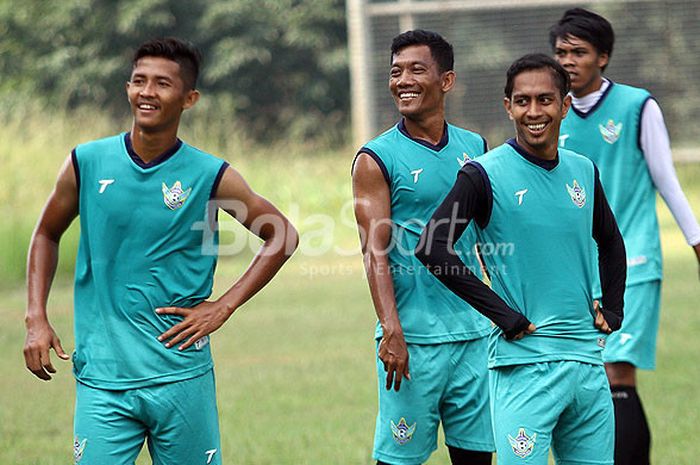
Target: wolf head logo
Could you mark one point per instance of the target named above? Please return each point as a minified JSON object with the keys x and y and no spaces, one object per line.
{"x":611,"y":131}
{"x":577,"y":193}
{"x":78,"y":449}
{"x":522,"y":444}
{"x":175,"y":197}
{"x":402,"y":432}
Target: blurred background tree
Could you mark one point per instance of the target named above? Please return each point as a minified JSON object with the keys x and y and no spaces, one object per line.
{"x":278,"y":68}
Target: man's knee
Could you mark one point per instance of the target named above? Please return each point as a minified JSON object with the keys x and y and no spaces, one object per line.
{"x":468,"y":457}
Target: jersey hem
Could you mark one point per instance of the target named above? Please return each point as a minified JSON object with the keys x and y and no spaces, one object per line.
{"x":441,"y":339}
{"x":501,"y":362}
{"x":145,"y":382}
{"x":396,"y":460}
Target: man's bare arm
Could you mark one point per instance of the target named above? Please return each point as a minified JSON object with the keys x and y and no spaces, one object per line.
{"x":58,"y":213}
{"x":373,"y":215}
{"x":280,"y":239}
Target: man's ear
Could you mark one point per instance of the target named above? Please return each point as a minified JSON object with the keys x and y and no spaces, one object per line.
{"x":507,"y":106}
{"x":191,"y":99}
{"x":448,"y":80}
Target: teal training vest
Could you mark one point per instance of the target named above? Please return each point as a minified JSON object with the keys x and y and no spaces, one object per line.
{"x":419,"y":177}
{"x":609,"y":135}
{"x":537,"y":245}
{"x":145,"y":242}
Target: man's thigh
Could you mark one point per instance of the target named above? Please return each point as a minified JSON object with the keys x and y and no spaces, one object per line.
{"x":407,"y":422}
{"x":526,"y":401}
{"x":585,"y":433}
{"x":465,"y":410}
{"x":106,"y":428}
{"x":635,"y":342}
{"x":183,"y":422}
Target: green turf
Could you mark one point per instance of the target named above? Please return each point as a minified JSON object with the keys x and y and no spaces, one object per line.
{"x":295,"y":365}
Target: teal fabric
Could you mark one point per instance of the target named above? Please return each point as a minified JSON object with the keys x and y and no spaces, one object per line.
{"x":635,"y":342}
{"x":136,"y":254}
{"x":179,"y":421}
{"x":609,"y":135}
{"x":448,"y":385}
{"x":563,"y":405}
{"x":538,"y":244}
{"x":419,"y":179}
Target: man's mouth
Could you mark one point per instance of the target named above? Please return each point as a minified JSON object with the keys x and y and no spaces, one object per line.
{"x":146,"y":106}
{"x":536,"y":128}
{"x":406,"y":96}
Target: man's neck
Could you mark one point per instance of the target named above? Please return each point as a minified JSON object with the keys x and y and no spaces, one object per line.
{"x":149,"y":145}
{"x":592,"y":86}
{"x":429,"y":129}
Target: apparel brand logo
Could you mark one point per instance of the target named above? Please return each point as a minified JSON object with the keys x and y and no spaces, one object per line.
{"x":78,"y":449}
{"x":104,"y":183}
{"x":402,"y":432}
{"x":415,"y":174}
{"x":522,"y":444}
{"x":520,"y":195}
{"x":210,"y":455}
{"x":175,"y":197}
{"x":624,"y":337}
{"x":463,"y":161}
{"x":562,"y":139}
{"x":577,"y":193}
{"x":611,"y":131}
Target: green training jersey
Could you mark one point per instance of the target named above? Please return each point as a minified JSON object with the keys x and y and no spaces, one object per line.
{"x":538,"y":243}
{"x":419,"y":176}
{"x":609,"y":134}
{"x":146,"y":241}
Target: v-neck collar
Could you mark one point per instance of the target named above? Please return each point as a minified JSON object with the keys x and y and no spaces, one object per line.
{"x":440,"y":145}
{"x":162,"y":158}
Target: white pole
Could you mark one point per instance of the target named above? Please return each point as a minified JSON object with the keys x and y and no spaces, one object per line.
{"x":361,"y":89}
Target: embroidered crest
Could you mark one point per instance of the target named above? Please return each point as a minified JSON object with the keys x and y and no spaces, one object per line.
{"x":465,"y":158}
{"x":611,"y":131}
{"x":522,"y":444}
{"x":402,"y":432}
{"x":175,"y":197}
{"x":577,"y":193}
{"x":78,"y":449}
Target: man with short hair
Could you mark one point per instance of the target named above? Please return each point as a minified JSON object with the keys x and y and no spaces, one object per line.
{"x":147,"y":203}
{"x":536,"y":208}
{"x":622,"y":130}
{"x":398,"y":179}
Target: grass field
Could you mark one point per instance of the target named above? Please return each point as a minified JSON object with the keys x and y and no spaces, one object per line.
{"x":295,"y":371}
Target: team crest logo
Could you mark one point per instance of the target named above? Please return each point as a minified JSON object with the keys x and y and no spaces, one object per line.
{"x":402,"y":432}
{"x":522,"y":444}
{"x":463,"y":161}
{"x":78,"y":449}
{"x":577,"y":193}
{"x":175,"y":197}
{"x":611,"y":131}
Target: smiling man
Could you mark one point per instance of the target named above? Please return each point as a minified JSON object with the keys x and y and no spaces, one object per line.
{"x":398,"y":179}
{"x":622,"y":130}
{"x":147,"y":203}
{"x":547,"y":382}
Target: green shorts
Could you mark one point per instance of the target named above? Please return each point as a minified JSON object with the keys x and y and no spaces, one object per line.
{"x":564,"y":405}
{"x":449,"y":384}
{"x":635,"y":342}
{"x":179,"y":421}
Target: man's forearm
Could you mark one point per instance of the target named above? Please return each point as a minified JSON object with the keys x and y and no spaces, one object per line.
{"x":42,"y":261}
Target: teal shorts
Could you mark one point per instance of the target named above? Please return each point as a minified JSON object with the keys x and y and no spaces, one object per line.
{"x":635,"y":342}
{"x":564,"y":405}
{"x":178,"y":420}
{"x":449,"y":384}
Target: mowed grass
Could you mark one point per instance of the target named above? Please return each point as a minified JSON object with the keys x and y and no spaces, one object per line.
{"x":295,"y":365}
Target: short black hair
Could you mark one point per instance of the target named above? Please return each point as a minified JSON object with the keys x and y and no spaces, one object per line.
{"x":535,"y":61}
{"x":587,"y":26}
{"x":181,"y":52}
{"x":440,"y":49}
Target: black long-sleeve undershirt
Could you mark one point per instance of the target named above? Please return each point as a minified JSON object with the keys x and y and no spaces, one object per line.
{"x":471,"y":199}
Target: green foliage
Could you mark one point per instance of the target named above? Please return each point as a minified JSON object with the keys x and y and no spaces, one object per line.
{"x":280,"y":65}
